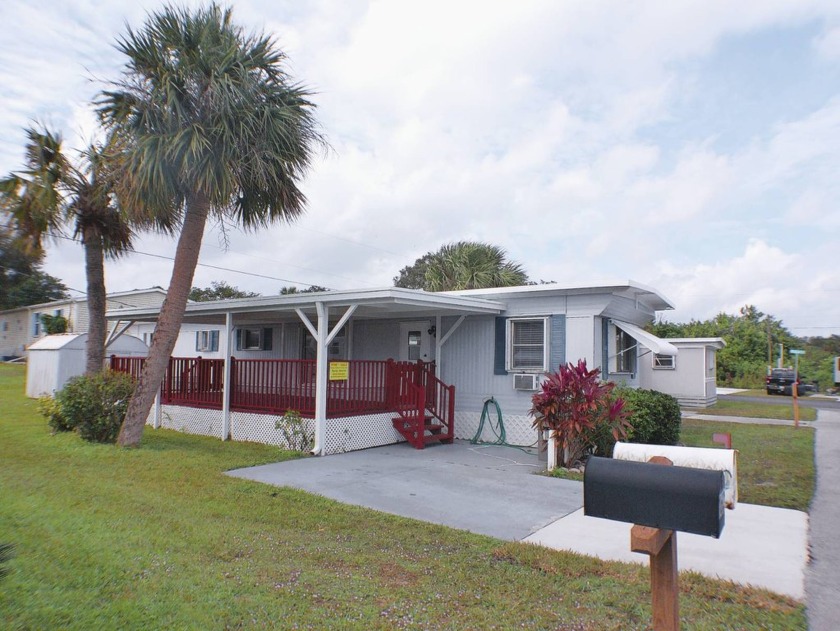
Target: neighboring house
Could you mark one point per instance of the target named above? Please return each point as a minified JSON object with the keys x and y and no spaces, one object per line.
{"x":370,"y":367}
{"x":22,"y":326}
{"x":690,"y":376}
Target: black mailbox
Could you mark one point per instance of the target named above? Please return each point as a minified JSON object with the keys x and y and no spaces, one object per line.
{"x":669,"y":497}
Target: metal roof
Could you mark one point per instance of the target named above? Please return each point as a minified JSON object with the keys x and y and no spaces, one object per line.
{"x":371,"y":303}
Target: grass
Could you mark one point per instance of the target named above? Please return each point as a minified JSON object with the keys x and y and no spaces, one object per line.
{"x":775,"y":462}
{"x":158,"y":537}
{"x":782,"y":411}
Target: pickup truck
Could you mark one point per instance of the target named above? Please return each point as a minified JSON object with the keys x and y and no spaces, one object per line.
{"x":781,"y":380}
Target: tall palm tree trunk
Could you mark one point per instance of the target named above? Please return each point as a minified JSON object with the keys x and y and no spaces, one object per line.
{"x":168,"y":323}
{"x":97,"y":326}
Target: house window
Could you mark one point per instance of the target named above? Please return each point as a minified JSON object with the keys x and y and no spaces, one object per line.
{"x":625,"y":352}
{"x":207,"y":341}
{"x":337,"y":349}
{"x":5,"y":326}
{"x":36,"y":324}
{"x":254,"y":339}
{"x":147,"y":337}
{"x":527,"y":344}
{"x":664,"y":362}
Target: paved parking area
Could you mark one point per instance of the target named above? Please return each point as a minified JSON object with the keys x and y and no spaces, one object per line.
{"x":484,"y":489}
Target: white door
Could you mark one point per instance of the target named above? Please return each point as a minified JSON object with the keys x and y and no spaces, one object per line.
{"x":415,"y":341}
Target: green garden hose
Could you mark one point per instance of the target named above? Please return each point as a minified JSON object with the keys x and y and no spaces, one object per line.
{"x":498,"y":429}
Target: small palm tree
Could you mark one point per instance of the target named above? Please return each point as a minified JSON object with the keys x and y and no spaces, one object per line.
{"x":208,"y":124}
{"x":472,"y":265}
{"x":50,"y":193}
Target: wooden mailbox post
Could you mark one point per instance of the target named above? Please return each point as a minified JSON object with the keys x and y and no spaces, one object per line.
{"x":659,"y":502}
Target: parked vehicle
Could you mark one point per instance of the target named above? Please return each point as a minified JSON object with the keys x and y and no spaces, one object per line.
{"x":781,"y":380}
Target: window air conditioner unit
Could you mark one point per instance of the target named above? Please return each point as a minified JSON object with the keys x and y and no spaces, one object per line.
{"x":526,"y":382}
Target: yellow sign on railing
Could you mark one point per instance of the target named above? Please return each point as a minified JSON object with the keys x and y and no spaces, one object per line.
{"x":339,"y":371}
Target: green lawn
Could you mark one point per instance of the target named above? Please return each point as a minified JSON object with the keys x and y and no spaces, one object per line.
{"x":781,"y":411}
{"x":158,"y":537}
{"x":775,"y":462}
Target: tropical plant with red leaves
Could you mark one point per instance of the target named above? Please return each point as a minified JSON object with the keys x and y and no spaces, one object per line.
{"x":580,"y":410}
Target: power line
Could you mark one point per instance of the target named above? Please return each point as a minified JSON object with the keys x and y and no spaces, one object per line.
{"x":208,"y":265}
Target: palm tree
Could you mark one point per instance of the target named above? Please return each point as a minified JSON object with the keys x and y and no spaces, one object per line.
{"x":472,"y":265}
{"x":208,"y":123}
{"x":52,"y":192}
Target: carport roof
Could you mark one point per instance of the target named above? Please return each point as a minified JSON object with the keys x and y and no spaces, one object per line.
{"x":370,"y":303}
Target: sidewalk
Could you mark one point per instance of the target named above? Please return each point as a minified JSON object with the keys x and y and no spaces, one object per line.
{"x":822,"y":579}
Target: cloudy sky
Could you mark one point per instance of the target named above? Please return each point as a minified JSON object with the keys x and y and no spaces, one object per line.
{"x":691,"y":146}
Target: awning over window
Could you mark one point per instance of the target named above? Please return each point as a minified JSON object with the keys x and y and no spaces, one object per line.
{"x":648,"y":340}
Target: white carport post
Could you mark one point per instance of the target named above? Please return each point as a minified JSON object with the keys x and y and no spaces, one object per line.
{"x":226,"y":350}
{"x":323,"y":336}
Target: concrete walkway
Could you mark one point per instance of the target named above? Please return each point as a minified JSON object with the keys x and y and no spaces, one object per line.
{"x":822,"y":581}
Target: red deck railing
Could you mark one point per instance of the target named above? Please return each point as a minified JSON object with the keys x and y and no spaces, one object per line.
{"x":277,"y":385}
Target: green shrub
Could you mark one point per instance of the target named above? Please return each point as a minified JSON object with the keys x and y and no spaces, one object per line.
{"x":296,"y":432}
{"x":581,"y":411}
{"x":50,"y":409}
{"x":95,"y":405}
{"x":655,"y":417}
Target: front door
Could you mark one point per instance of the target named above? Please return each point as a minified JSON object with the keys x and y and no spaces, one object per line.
{"x":415,"y":341}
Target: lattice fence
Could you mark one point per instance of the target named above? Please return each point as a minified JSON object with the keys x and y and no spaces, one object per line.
{"x":342,"y":434}
{"x":189,"y":420}
{"x":518,"y":428}
{"x":360,"y":432}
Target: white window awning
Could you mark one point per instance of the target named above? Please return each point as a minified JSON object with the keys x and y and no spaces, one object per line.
{"x":648,"y":340}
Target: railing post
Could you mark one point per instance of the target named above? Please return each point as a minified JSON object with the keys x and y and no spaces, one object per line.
{"x":451,"y":412}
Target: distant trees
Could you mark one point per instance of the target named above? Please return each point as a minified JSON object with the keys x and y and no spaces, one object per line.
{"x":22,"y":281}
{"x":462,"y":265}
{"x":285,"y":291}
{"x":219,"y":290}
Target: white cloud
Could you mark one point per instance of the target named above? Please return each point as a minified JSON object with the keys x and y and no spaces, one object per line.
{"x":536,"y":125}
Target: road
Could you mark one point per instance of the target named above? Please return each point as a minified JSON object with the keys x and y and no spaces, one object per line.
{"x":818,"y":403}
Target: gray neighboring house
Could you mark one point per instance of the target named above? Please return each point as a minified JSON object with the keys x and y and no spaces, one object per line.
{"x":22,"y":326}
{"x":343,"y":358}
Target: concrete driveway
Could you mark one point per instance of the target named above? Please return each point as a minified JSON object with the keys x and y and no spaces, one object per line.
{"x":484,"y":489}
{"x":493,"y":491}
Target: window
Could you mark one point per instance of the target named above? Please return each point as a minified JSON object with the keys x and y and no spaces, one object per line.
{"x":664,"y":362}
{"x":527,"y":344}
{"x":147,"y":337}
{"x":254,"y":339}
{"x":337,"y":350}
{"x":207,"y":341}
{"x":625,"y":352}
{"x":36,"y":324}
{"x":5,"y":326}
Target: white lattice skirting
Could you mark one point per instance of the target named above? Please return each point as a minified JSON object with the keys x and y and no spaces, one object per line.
{"x":343,"y":434}
{"x":518,"y":428}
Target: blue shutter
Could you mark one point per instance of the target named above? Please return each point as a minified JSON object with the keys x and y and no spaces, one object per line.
{"x":557,"y":339}
{"x":501,"y":347}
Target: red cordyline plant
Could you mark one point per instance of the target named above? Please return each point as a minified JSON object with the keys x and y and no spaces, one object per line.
{"x":580,"y":410}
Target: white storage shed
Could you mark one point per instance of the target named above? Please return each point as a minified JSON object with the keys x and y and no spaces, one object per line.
{"x":55,"y":359}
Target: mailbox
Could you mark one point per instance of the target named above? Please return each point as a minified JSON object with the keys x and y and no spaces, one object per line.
{"x":668,"y":497}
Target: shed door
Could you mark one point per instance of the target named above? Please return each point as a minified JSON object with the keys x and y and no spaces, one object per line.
{"x":415,"y":341}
